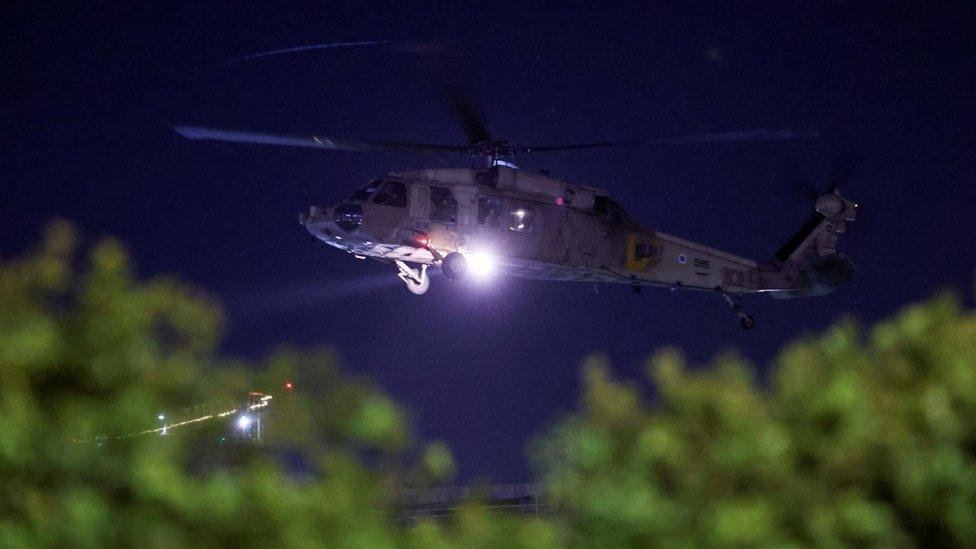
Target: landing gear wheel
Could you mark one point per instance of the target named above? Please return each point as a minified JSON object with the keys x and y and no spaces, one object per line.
{"x":454,"y":266}
{"x":746,"y":322}
{"x":417,"y":281}
{"x":418,"y":288}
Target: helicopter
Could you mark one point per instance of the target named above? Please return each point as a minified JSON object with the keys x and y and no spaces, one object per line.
{"x":493,"y":217}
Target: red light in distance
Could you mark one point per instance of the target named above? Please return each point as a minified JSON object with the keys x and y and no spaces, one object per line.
{"x":289,"y":385}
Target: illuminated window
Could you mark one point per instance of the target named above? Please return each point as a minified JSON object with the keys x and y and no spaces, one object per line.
{"x":443,"y":207}
{"x":392,"y":193}
{"x":522,"y":219}
{"x":489,"y":211}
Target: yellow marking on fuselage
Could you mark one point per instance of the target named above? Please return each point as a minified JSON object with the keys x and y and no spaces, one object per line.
{"x":634,"y":264}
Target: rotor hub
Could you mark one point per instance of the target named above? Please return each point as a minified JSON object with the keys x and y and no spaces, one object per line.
{"x":492,"y":150}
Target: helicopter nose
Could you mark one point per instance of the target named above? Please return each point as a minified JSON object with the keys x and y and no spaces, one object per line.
{"x":348,"y":216}
{"x":316,"y":214}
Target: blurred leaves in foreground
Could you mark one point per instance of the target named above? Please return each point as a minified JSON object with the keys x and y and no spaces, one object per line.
{"x":858,"y":438}
{"x":864,"y":440}
{"x":87,"y":353}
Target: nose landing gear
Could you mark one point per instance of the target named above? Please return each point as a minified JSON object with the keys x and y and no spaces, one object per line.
{"x":416,"y":280}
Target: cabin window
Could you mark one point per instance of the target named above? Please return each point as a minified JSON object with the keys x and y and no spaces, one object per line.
{"x":366,"y":191}
{"x":420,"y":202}
{"x":601,"y":204}
{"x":522,"y":219}
{"x":392,"y":193}
{"x":490,"y":211}
{"x":443,"y":207}
{"x":644,"y":251}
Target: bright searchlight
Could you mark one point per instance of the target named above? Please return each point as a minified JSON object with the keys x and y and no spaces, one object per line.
{"x":481,"y":265}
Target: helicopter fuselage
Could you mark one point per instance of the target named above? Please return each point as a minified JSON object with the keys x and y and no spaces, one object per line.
{"x":533,"y":226}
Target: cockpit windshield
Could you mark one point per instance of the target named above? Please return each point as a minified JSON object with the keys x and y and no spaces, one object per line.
{"x":366,"y":191}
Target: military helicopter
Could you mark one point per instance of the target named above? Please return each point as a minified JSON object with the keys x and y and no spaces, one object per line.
{"x":492,"y":216}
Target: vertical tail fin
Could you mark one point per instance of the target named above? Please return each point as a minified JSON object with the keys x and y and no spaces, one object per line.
{"x":793,"y":244}
{"x":810,"y":259}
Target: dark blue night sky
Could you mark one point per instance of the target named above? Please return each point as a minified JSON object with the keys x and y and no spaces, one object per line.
{"x":88,"y":92}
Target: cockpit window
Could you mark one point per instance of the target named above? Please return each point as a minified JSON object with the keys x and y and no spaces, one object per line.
{"x":522,"y":219}
{"x":392,"y":193}
{"x":443,"y":206}
{"x":366,"y":191}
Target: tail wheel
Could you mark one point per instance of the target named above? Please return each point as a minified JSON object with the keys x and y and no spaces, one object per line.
{"x":746,"y":322}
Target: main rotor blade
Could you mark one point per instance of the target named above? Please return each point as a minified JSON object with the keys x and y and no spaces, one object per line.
{"x":462,"y":104}
{"x":728,"y":137}
{"x":307,"y":48}
{"x":312,"y":141}
{"x":791,"y":178}
{"x":725,"y":137}
{"x":574,"y":146}
{"x":844,"y":166}
{"x":452,"y":73}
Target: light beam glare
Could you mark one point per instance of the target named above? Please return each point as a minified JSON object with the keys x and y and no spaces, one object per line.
{"x":243,"y":422}
{"x":481,"y":265}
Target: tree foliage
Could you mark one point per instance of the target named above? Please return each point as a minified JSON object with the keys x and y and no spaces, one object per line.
{"x":87,"y":354}
{"x":857,"y":440}
{"x":859,"y":437}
